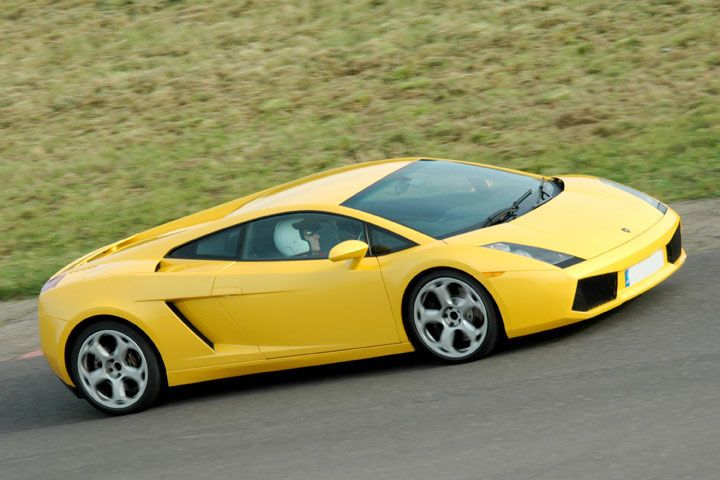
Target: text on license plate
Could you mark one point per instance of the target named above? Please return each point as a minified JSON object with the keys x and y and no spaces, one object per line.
{"x":644,"y":269}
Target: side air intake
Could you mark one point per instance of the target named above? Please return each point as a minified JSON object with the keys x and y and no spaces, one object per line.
{"x":189,"y":324}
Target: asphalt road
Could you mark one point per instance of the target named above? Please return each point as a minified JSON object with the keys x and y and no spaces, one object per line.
{"x":634,"y":394}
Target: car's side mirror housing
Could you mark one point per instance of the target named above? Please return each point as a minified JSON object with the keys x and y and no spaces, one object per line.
{"x":348,"y":250}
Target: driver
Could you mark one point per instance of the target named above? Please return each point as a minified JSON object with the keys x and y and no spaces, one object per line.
{"x":309,"y":232}
{"x":304,"y":237}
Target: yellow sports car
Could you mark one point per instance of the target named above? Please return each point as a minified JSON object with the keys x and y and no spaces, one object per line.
{"x":373,"y":259}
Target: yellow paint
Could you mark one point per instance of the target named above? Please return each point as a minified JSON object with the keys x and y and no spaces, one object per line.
{"x":297,"y":307}
{"x":264,"y":316}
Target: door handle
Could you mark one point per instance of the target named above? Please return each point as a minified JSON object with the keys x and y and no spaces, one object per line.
{"x":226,"y":291}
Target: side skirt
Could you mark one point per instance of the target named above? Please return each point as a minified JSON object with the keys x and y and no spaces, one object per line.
{"x":183,"y":377}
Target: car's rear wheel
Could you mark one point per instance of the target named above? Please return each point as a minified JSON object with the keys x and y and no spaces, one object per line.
{"x":451,"y":317}
{"x":115,"y":368}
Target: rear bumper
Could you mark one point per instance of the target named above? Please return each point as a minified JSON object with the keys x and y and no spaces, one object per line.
{"x":535,"y":301}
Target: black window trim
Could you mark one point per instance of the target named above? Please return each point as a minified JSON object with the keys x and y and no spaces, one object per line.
{"x":242,"y":225}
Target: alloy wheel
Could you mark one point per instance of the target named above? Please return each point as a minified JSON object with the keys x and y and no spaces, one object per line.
{"x":451,"y":318}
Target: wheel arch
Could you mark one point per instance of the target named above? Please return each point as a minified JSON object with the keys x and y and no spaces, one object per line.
{"x":92,"y":320}
{"x":416,"y":279}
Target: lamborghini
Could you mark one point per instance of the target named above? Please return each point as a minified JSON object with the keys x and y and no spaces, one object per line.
{"x":415,"y":254}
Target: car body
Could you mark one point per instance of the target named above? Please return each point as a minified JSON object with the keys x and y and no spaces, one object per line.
{"x":577,"y":246}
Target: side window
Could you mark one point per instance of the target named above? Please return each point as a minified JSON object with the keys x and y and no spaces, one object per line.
{"x":222,"y":245}
{"x":383,"y":242}
{"x":298,"y":236}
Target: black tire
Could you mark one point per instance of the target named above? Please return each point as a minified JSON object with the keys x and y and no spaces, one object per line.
{"x":463,"y":346}
{"x":138,"y":361}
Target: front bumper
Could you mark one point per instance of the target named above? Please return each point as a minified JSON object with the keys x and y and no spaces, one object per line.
{"x":531,"y":302}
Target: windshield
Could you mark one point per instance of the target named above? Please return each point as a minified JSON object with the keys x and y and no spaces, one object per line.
{"x":442,"y":199}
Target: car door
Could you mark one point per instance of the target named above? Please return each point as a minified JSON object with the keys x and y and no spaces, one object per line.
{"x":291,"y":299}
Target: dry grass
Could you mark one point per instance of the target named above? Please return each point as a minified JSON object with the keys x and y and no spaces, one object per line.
{"x":118,"y":115}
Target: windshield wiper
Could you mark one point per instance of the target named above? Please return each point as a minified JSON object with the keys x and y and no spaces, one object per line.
{"x":504,"y":214}
{"x":543,"y":196}
{"x":542,"y":192}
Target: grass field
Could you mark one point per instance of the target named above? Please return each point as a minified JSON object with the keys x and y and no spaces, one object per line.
{"x":119,"y":115}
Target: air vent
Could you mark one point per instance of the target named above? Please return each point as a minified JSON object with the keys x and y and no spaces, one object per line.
{"x":189,"y":324}
{"x":594,"y":291}
{"x":674,"y":248}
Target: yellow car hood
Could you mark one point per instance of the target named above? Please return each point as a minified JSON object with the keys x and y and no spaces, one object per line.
{"x":587,"y":219}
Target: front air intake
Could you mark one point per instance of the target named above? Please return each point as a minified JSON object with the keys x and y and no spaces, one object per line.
{"x":674,"y":248}
{"x":594,"y":291}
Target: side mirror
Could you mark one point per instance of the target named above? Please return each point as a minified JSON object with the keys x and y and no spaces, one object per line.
{"x":348,"y":250}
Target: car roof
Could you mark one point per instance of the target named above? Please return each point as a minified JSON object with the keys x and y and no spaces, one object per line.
{"x":329,"y":188}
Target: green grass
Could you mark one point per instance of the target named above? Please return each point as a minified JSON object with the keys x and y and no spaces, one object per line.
{"x":119,"y":115}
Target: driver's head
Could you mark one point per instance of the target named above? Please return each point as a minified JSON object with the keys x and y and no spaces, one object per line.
{"x":309,"y":231}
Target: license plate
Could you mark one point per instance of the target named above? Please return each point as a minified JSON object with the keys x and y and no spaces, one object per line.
{"x":640,"y":271}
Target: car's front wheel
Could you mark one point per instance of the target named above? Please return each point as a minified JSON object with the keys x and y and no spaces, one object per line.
{"x":451,"y":316}
{"x":115,"y":368}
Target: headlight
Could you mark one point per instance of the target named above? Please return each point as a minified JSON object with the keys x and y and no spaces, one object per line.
{"x":642,"y":196}
{"x":53,"y":282}
{"x":558,"y":259}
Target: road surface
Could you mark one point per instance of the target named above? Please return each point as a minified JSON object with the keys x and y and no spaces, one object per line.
{"x":634,"y":394}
